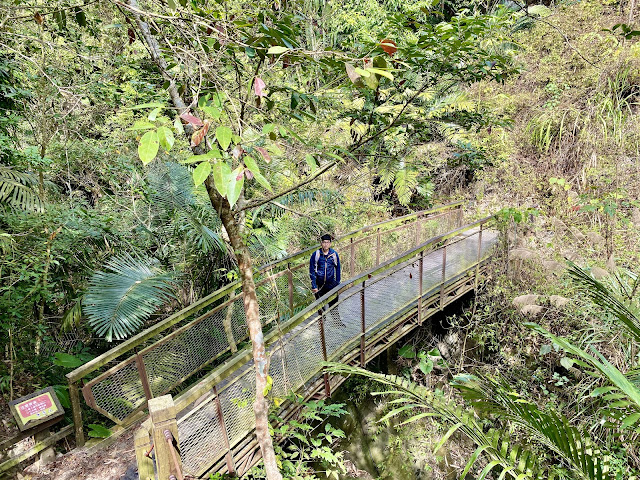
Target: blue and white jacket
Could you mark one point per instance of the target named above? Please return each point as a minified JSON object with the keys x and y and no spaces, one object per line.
{"x":324,"y":270}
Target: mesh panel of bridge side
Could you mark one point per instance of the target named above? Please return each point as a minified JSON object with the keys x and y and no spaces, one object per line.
{"x":180,"y":355}
{"x":461,"y":255}
{"x":390,"y":294}
{"x":201,"y":437}
{"x":269,"y":299}
{"x":342,"y":322}
{"x":121,"y":392}
{"x":302,"y":294}
{"x":237,"y":404}
{"x":238,"y":320}
{"x":432,"y":271}
{"x":364,"y":255}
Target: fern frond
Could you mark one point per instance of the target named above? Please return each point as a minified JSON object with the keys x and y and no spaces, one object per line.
{"x":19,"y":190}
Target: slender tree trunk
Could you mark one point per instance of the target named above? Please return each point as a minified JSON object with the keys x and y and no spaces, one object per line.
{"x":233,"y":224}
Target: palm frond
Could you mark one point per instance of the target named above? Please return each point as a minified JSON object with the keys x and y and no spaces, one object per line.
{"x":626,"y":310}
{"x":503,"y":459}
{"x":19,"y":190}
{"x":126,"y":294}
{"x":549,"y":428}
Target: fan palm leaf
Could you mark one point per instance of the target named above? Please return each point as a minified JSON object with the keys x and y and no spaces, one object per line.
{"x":120,"y":299}
{"x":19,"y":190}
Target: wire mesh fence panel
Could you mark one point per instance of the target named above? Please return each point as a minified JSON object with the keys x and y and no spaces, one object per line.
{"x":201,"y":437}
{"x":379,"y":304}
{"x":234,"y":313}
{"x":186,"y":351}
{"x":364,"y":257}
{"x":302,"y":294}
{"x":269,"y":300}
{"x":304,"y":353}
{"x":342,"y":322}
{"x":236,"y":399}
{"x":120,"y":393}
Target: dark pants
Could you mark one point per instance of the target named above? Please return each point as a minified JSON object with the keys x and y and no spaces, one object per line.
{"x":323,"y":291}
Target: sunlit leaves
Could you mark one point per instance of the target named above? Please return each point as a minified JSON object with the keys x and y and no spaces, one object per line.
{"x":255,"y":170}
{"x":235,"y":182}
{"x":277,"y":50}
{"x":148,"y":147}
{"x":165,"y":137}
{"x":201,"y":172}
{"x":223,"y":135}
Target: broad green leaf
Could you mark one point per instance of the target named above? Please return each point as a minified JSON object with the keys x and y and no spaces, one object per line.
{"x":141,"y":125}
{"x":221,"y":171}
{"x":148,"y":147}
{"x":99,"y":431}
{"x":234,"y":186}
{"x":165,"y":137}
{"x":566,"y":362}
{"x":213,"y":112}
{"x":362,"y":72}
{"x":311,"y":162}
{"x":630,"y":420}
{"x":277,"y":50}
{"x":201,"y":173}
{"x":251,"y":164}
{"x":426,"y":366}
{"x":223,"y":135}
{"x":154,"y":114}
{"x":213,"y":153}
{"x":66,"y":360}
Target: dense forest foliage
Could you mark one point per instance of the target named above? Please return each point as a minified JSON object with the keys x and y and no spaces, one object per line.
{"x":300,"y":118}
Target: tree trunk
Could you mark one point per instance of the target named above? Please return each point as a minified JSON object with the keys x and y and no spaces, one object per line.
{"x":234,"y":227}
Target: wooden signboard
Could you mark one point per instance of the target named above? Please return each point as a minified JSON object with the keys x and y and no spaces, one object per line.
{"x":36,"y":408}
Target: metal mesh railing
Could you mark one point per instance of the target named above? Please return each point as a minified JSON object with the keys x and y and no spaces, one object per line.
{"x":364,"y":307}
{"x":211,"y":334}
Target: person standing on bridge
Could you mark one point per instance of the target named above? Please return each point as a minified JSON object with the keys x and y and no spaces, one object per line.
{"x":324,"y":269}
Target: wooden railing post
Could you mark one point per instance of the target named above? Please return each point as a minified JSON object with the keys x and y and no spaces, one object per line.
{"x":142,"y":373}
{"x":444,"y":270}
{"x":417,"y":230}
{"x":142,"y":444}
{"x":163,"y":419}
{"x":363,"y":325}
{"x":76,"y":409}
{"x":420,"y":288}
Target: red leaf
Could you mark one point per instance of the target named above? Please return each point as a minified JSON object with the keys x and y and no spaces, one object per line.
{"x":195,"y":121}
{"x":239,"y":177}
{"x":389,"y":46}
{"x":132,"y":35}
{"x":248,"y":174}
{"x":259,"y":86}
{"x":264,"y":153}
{"x":38,"y":18}
{"x":198,"y":136}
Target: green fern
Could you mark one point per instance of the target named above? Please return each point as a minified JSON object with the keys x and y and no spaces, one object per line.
{"x":18,"y":190}
{"x":119,"y":300}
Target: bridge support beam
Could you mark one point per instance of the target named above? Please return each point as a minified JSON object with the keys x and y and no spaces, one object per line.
{"x":162,"y":411}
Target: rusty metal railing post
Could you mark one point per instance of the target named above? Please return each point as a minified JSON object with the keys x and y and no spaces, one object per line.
{"x":417,"y":230}
{"x":231,"y":466}
{"x":459,"y":215}
{"x":290,"y":281}
{"x":444,"y":272}
{"x":142,"y":373}
{"x":420,"y":288}
{"x":352,"y":267}
{"x":378,"y":248}
{"x":323,"y":342}
{"x":478,"y":258}
{"x":177,"y":464}
{"x":362,"y":325}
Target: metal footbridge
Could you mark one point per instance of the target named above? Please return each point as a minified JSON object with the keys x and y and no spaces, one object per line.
{"x":398,"y":274}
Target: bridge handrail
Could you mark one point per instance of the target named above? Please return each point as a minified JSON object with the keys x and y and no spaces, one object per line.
{"x":135,"y":341}
{"x":240,"y":358}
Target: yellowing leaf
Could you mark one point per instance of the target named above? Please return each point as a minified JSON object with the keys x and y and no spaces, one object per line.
{"x":378,"y":71}
{"x":277,"y":50}
{"x":201,"y":173}
{"x":221,"y":172}
{"x":311,"y":162}
{"x":148,"y":147}
{"x":234,"y":185}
